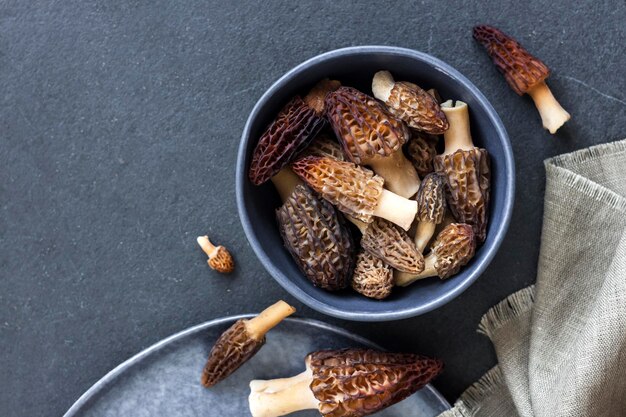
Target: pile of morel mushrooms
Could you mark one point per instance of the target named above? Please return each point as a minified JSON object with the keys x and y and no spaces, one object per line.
{"x":418,"y":217}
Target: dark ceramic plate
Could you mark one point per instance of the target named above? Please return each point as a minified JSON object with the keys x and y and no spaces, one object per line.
{"x":164,"y":380}
{"x":355,"y":67}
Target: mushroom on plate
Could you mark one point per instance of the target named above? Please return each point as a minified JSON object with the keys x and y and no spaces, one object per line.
{"x":372,"y":277}
{"x":370,"y":135}
{"x":431,"y":208}
{"x":355,"y":190}
{"x":240,"y":342}
{"x":409,"y":103}
{"x":219,"y":258}
{"x":452,"y":249}
{"x":391,"y":244}
{"x":344,"y":383}
{"x":525,"y":74}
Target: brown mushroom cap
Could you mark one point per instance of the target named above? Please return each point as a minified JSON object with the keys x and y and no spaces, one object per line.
{"x":453,"y":248}
{"x":359,"y":382}
{"x":363,"y":126}
{"x":317,"y":238}
{"x":353,"y":189}
{"x":422,"y":149}
{"x":521,"y":69}
{"x":390,"y":243}
{"x":372,"y":277}
{"x":324,"y":146}
{"x":468,"y":177}
{"x":431,"y":199}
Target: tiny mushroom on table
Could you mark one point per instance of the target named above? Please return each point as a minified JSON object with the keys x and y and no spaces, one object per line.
{"x":370,"y":135}
{"x":355,"y":190}
{"x":431,"y":208}
{"x":372,"y":277}
{"x":240,"y":342}
{"x":452,"y":249}
{"x":344,"y":383}
{"x":525,"y":73}
{"x":219,"y":258}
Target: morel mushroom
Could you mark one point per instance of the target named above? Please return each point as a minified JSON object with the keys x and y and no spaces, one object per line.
{"x":409,"y":103}
{"x":467,"y":171}
{"x":431,"y":207}
{"x":240,"y":342}
{"x":355,"y":191}
{"x":370,"y":135}
{"x":452,"y":249}
{"x":345,"y":383}
{"x":219,"y":257}
{"x":422,"y":149}
{"x":324,"y":145}
{"x":317,"y":238}
{"x":294,"y":127}
{"x":525,"y":73}
{"x":372,"y":277}
{"x":391,"y":244}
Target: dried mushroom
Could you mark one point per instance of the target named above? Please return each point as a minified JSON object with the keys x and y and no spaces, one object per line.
{"x":345,"y":383}
{"x":240,"y":342}
{"x":372,"y":277}
{"x":219,"y":257}
{"x":317,"y":238}
{"x":324,"y":145}
{"x":467,"y":171}
{"x":392,"y":245}
{"x":525,"y":73}
{"x":294,"y":127}
{"x":355,"y":191}
{"x":370,"y":135}
{"x":431,"y":208}
{"x":453,"y":248}
{"x":422,"y":149}
{"x":409,"y":103}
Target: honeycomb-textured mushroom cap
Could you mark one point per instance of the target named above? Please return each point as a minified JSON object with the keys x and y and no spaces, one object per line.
{"x":453,"y":248}
{"x":468,"y":177}
{"x":353,"y":189}
{"x":390,"y":243}
{"x":324,"y":146}
{"x":289,"y":133}
{"x":317,"y":238}
{"x":364,"y":127}
{"x":431,"y":203}
{"x":360,"y":382}
{"x":521,"y":69}
{"x":219,"y":258}
{"x":372,"y":277}
{"x":421,"y":150}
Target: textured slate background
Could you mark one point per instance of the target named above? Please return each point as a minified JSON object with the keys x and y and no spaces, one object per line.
{"x":119,"y":125}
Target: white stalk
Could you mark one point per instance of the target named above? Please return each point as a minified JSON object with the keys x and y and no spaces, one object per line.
{"x":270,"y":386}
{"x":207,"y":246}
{"x":553,"y":116}
{"x":396,"y":209}
{"x":296,"y":397}
{"x":399,"y":174}
{"x":423,"y":234}
{"x":382,"y":84}
{"x":285,"y":182}
{"x":403,"y":279}
{"x":458,"y":135}
{"x":362,"y":226}
{"x":258,"y":326}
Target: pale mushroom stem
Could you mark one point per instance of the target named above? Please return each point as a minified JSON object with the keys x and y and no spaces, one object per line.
{"x":382,"y":84}
{"x":399,"y":174}
{"x":285,"y":182}
{"x":403,"y":279}
{"x":279,"y":384}
{"x":296,"y":397}
{"x":258,"y":326}
{"x":362,"y":226}
{"x":396,"y":209}
{"x":423,"y":234}
{"x":207,"y":246}
{"x":553,"y":116}
{"x":458,"y":135}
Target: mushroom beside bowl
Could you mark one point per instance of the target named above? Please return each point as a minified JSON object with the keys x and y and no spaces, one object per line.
{"x":355,"y":67}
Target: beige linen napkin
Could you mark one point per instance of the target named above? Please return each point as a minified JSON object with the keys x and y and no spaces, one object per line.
{"x":561,"y":344}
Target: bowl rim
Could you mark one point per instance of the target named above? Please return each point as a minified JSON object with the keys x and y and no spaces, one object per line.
{"x":395,"y":314}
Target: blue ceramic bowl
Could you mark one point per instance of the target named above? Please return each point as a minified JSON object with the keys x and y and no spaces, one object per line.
{"x":355,"y":67}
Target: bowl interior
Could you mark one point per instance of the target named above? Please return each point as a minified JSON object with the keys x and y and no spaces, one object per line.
{"x":355,"y":67}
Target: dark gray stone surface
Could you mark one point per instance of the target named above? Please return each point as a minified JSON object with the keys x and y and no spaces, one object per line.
{"x":119,"y":127}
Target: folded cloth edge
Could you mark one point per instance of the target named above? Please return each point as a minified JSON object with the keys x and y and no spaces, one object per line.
{"x":471,"y":398}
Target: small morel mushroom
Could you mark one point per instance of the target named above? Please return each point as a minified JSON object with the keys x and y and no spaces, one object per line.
{"x":372,"y":277}
{"x":422,"y":149}
{"x":391,"y":244}
{"x":324,"y":145}
{"x":370,"y":135}
{"x":294,"y":127}
{"x":467,"y":171}
{"x":240,"y":342}
{"x":317,"y":238}
{"x":355,"y":191}
{"x":345,"y":383}
{"x":219,"y":257}
{"x":453,"y":248}
{"x":409,"y":103}
{"x":431,"y":207}
{"x":525,"y":73}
